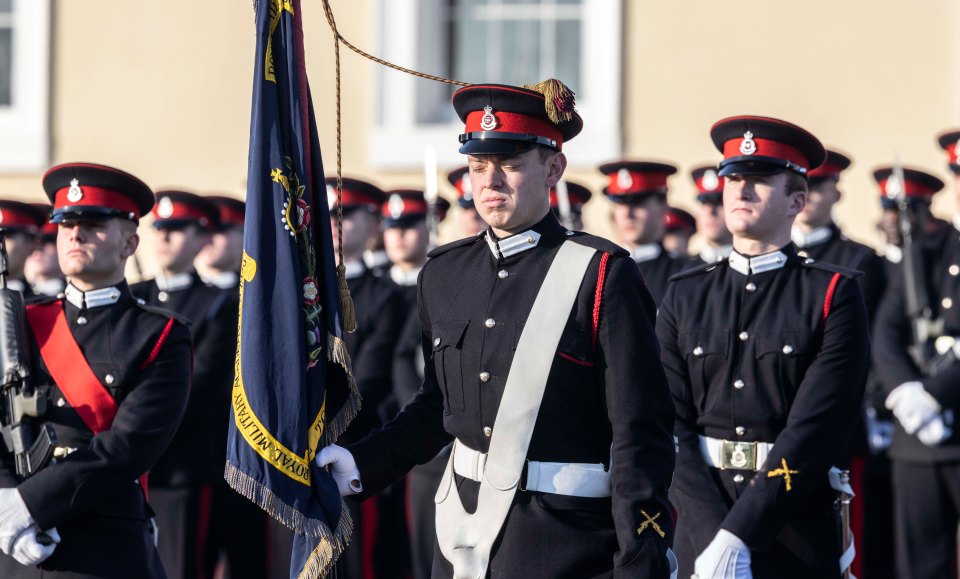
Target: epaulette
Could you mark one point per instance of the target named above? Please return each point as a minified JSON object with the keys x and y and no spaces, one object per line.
{"x":831,"y":268}
{"x":696,"y":270}
{"x":455,"y":244}
{"x":165,"y":313}
{"x":598,"y":243}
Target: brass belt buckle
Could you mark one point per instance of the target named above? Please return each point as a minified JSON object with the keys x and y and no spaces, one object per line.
{"x":739,"y":455}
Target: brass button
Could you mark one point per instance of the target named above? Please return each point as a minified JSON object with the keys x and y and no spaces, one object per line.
{"x":530,"y":240}
{"x":490,"y":322}
{"x":109,"y":378}
{"x":436,"y":342}
{"x":954,"y":270}
{"x":503,"y":274}
{"x":82,"y":321}
{"x":806,"y":261}
{"x":61,"y":402}
{"x":788,"y":349}
{"x":802,"y":253}
{"x":738,"y":478}
{"x":163,"y":296}
{"x":484,"y":376}
{"x":947,"y":303}
{"x":698,"y":351}
{"x":738,"y":384}
{"x":744,"y":336}
{"x":740,"y":430}
{"x":487,"y":431}
{"x":751,"y":287}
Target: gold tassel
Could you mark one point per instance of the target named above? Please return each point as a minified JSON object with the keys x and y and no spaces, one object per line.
{"x":558,"y":99}
{"x":346,"y":302}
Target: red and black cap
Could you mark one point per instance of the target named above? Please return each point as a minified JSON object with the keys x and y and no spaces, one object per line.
{"x":577,"y":194}
{"x":85,"y":192}
{"x":48,"y":231}
{"x":633,"y":180}
{"x":460,"y":179}
{"x":232,"y":211}
{"x":835,"y":164}
{"x":17,"y":216}
{"x":176,"y":209}
{"x":709,"y":184}
{"x":918,"y":187}
{"x":949,"y":142}
{"x":678,"y":220}
{"x":764,"y":146}
{"x":506,"y":120}
{"x":406,"y":207}
{"x":356,"y":194}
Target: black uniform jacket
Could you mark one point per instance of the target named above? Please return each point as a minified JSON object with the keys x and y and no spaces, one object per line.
{"x":381,"y":310}
{"x":92,"y":496}
{"x":940,"y":255}
{"x":657,"y":272}
{"x":606,"y":401}
{"x":195,"y":456}
{"x":764,"y":357}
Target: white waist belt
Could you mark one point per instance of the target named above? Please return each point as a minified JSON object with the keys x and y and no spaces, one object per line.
{"x":559,"y":478}
{"x":735,"y":454}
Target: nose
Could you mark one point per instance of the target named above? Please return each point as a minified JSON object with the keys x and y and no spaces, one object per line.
{"x":492,"y":176}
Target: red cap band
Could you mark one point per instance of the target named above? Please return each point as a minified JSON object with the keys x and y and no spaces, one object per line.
{"x":639,"y":182}
{"x":408,"y":208}
{"x":97,"y":197}
{"x":12,"y":218}
{"x":181,"y":211}
{"x":230,"y":215}
{"x":701,"y":188}
{"x":910,"y":188}
{"x":515,"y":123}
{"x":766,"y":148}
{"x":826,"y":170}
{"x":952,"y":153}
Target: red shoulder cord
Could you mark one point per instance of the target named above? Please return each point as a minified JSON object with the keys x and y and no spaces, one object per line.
{"x":598,"y":299}
{"x":828,"y":299}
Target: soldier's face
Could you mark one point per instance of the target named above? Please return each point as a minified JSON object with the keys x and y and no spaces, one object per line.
{"x":19,"y":247}
{"x":823,"y":195}
{"x":711,"y":224}
{"x":406,"y":244}
{"x":359,"y":226}
{"x":511,"y":192}
{"x":224,"y":251}
{"x":676,"y":242}
{"x":177,"y":248}
{"x":470,"y":222}
{"x":758,"y":207}
{"x":641,"y":221}
{"x":95,"y":251}
{"x":43,"y":264}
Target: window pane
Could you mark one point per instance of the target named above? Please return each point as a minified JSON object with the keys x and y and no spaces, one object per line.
{"x":6,"y":59}
{"x":6,"y":6}
{"x":568,"y":55}
{"x":520,"y":53}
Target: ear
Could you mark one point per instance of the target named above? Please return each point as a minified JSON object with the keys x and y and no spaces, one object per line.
{"x":555,"y":168}
{"x":130,"y":245}
{"x":798,"y":200}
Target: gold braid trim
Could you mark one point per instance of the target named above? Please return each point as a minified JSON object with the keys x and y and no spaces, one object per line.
{"x":337,"y":354}
{"x":558,"y":99}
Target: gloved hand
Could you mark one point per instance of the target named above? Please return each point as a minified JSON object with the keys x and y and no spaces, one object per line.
{"x":935,"y":431}
{"x":879,"y":432}
{"x":726,"y":557}
{"x":343,"y":468}
{"x":912,"y":405}
{"x":14,"y":518}
{"x":27,"y":551}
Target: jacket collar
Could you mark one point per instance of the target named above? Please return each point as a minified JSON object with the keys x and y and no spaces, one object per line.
{"x":815,"y":237}
{"x":760,"y":263}
{"x":97,"y":298}
{"x":403,"y":277}
{"x":710,"y":254}
{"x":175,"y":282}
{"x":645,"y":252}
{"x":547,"y":228}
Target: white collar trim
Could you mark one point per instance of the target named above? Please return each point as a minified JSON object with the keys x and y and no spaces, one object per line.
{"x":758,"y":264}
{"x":815,"y":237}
{"x":49,"y":287}
{"x":893,"y":253}
{"x":16,"y":285}
{"x":92,"y":299}
{"x":355,"y":269}
{"x":223,"y":280}
{"x":375,"y":259}
{"x":175,"y":282}
{"x":514,"y":244}
{"x":403,"y":277}
{"x":709,"y":254}
{"x":645,"y":252}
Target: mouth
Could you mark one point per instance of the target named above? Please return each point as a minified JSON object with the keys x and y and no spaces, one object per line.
{"x":494,"y":202}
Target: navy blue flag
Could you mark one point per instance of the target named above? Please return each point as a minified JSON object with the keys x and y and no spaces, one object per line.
{"x":293,"y":392}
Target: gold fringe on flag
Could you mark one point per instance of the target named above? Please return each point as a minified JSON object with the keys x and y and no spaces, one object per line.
{"x":337,"y":354}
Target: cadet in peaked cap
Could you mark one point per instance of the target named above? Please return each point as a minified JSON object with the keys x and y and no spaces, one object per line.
{"x":949,"y":142}
{"x":711,"y":227}
{"x":20,"y":223}
{"x":577,"y":195}
{"x":766,"y":394}
{"x":42,"y":269}
{"x":366,"y":198}
{"x":679,"y":227}
{"x":477,"y":309}
{"x":638,"y":190}
{"x":918,"y":189}
{"x":182,"y":225}
{"x":115,"y":375}
{"x":406,"y":238}
{"x":468,"y":218}
{"x":219,"y":261}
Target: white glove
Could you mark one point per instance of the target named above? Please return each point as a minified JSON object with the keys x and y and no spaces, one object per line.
{"x":27,"y":551}
{"x":343,"y":468}
{"x":912,"y":405}
{"x":934,"y":431}
{"x":14,"y":518}
{"x":879,"y":432}
{"x":726,"y":557}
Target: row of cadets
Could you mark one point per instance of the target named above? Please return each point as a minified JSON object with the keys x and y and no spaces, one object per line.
{"x":42,"y":268}
{"x":924,"y":399}
{"x":711,"y":225}
{"x":21,"y":223}
{"x":115,"y":374}
{"x":186,"y":476}
{"x":678,"y":227}
{"x":638,"y":190}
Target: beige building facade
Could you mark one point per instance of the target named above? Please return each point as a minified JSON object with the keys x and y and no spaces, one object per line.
{"x":163,"y":89}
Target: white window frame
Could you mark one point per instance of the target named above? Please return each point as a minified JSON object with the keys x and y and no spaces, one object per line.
{"x":398,"y":142}
{"x":24,"y":125}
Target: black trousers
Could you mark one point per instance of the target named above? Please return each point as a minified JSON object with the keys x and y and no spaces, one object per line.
{"x":239,"y":535}
{"x":185,"y":530}
{"x":422,"y":483}
{"x":927,"y":498}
